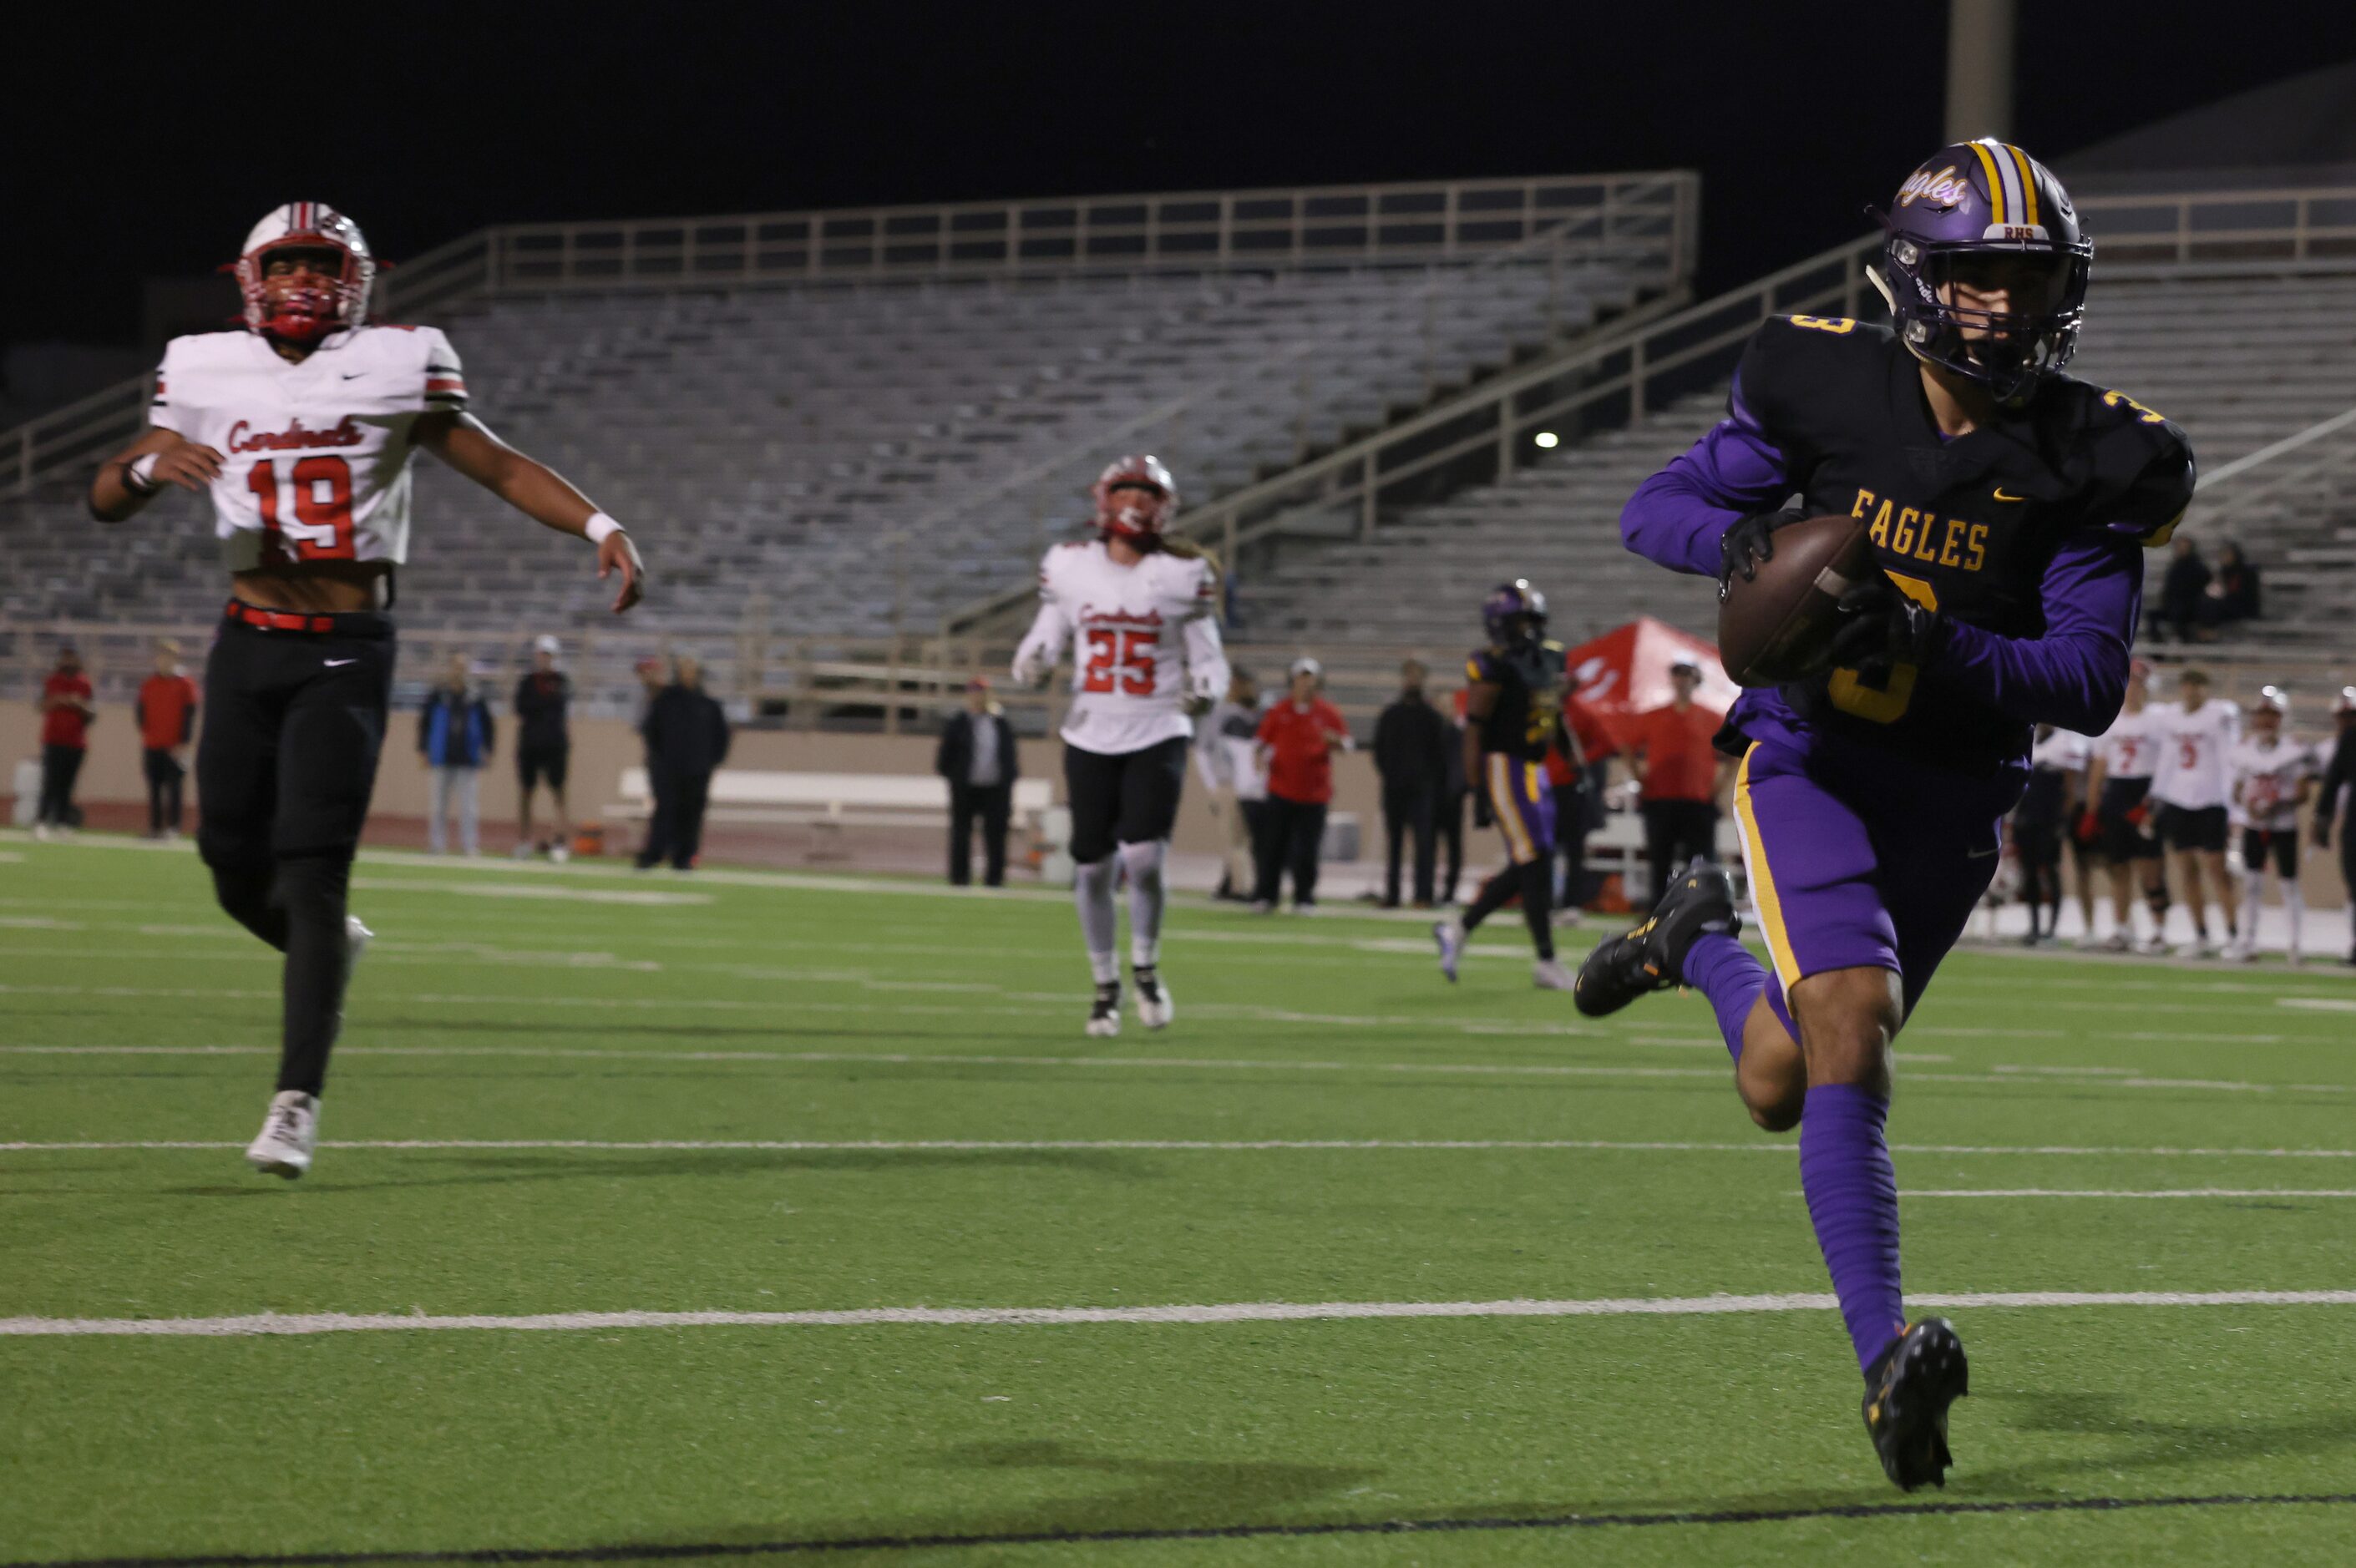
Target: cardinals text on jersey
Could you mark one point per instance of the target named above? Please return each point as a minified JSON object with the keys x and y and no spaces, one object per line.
{"x":2267,"y":780}
{"x":2130,"y":747}
{"x":314,"y":457}
{"x":2193,"y":749}
{"x":1145,"y":638}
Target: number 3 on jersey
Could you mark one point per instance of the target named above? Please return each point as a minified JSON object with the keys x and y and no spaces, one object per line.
{"x":1132,"y":653}
{"x":319,"y":524}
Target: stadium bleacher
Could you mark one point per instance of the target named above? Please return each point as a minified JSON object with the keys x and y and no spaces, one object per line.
{"x":2240,"y":361}
{"x":778,"y":445}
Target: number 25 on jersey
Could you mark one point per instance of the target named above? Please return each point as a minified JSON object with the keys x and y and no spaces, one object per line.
{"x":317,"y":523}
{"x":1127,"y":656}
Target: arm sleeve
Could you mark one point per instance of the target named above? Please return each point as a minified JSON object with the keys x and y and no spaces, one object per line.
{"x":1051,"y":630}
{"x":2075,"y":676}
{"x":445,"y":381}
{"x":1207,"y":656}
{"x":1676,"y":518}
{"x":161,"y":414}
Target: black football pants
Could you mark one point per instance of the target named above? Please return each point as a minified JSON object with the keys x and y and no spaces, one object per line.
{"x":990,"y":806}
{"x":1409,"y":813}
{"x":60,"y":765}
{"x":293,"y":724}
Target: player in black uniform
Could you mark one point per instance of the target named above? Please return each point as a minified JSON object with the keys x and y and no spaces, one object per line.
{"x":1512,"y":706}
{"x":2009,"y":506}
{"x":2339,"y":779}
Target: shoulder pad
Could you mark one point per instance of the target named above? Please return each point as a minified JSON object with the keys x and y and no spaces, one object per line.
{"x":2144,"y":467}
{"x":1482,"y":667}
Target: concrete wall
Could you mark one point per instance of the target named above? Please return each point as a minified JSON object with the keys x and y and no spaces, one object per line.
{"x":602,"y":748}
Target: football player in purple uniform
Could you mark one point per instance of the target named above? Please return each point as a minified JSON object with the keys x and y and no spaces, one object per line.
{"x":2009,"y":505}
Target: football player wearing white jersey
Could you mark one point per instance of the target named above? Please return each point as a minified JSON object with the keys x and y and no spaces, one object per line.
{"x":2273,"y":776}
{"x":2190,"y":784}
{"x":2119,"y":786}
{"x":300,"y":427}
{"x":1143,"y":609}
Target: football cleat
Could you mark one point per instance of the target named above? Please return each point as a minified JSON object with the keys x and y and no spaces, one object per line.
{"x":1651,"y":956}
{"x":289,"y":1133}
{"x":2118,"y":942}
{"x":1155,"y":1007}
{"x":1450,"y":934}
{"x":1104,"y":1014}
{"x":1548,"y":975}
{"x":1907,"y":1394}
{"x":2153,"y":946}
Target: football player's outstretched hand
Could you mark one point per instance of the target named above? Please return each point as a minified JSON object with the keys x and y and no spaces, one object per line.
{"x":616,"y":553}
{"x":189,"y":465}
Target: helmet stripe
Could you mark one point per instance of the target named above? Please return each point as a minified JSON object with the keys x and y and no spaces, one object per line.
{"x":2028,"y":183}
{"x":1995,"y":183}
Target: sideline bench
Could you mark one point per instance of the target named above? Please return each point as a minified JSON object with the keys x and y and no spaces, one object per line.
{"x":828,"y":800}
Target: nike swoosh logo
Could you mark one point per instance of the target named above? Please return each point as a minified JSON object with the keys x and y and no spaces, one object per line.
{"x":354,"y":375}
{"x":1999,"y":489}
{"x":338,"y":664}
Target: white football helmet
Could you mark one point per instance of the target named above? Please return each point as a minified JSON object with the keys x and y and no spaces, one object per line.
{"x":305,"y":314}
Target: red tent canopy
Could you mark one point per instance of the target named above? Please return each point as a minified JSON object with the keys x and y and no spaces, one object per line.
{"x":1625,"y":671}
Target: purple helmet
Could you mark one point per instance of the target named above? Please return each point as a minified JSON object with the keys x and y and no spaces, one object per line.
{"x":1971,"y":215}
{"x":1508,"y":602}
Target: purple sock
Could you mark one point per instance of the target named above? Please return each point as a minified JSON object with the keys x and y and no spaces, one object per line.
{"x":1722,"y":969}
{"x":1853,"y":1200}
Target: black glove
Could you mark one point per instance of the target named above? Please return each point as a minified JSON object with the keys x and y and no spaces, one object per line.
{"x":1880,"y":627}
{"x":1750,"y":542}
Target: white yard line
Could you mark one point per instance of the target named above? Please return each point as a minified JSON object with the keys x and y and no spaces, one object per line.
{"x":272,"y":1323}
{"x":1204,"y":1145}
{"x":2161,"y":1193}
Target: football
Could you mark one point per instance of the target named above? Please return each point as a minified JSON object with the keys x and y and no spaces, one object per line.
{"x":1775,"y":628}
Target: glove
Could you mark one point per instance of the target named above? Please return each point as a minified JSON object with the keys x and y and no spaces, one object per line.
{"x":1879,"y":628}
{"x":2089,"y":830}
{"x":1748,"y":542}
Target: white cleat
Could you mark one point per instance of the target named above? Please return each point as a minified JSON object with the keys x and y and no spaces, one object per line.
{"x":557,"y":854}
{"x":289,"y":1133}
{"x":2118,"y":942}
{"x":2197,"y":948}
{"x":1155,"y":1007}
{"x":1548,"y":975}
{"x":2152,"y":947}
{"x":355,"y":939}
{"x":1450,"y":934}
{"x":1104,"y":1014}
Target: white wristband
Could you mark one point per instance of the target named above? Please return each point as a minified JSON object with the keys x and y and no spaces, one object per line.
{"x":600,"y":527}
{"x":141,"y":475}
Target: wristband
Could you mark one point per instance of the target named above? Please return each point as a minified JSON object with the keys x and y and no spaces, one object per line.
{"x":600,"y":527}
{"x":139,"y":476}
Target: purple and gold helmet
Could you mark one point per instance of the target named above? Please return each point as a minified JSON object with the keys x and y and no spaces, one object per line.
{"x":1510,"y":602}
{"x":1971,"y":215}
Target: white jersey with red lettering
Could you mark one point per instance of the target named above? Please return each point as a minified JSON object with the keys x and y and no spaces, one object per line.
{"x":2193,"y":753}
{"x":2266,"y":779}
{"x":314,"y":455}
{"x":2130,"y":748}
{"x":1145,"y":640}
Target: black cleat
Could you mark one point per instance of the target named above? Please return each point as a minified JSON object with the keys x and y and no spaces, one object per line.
{"x":1907,"y":1395}
{"x":1104,"y":1013}
{"x":1652,"y":956}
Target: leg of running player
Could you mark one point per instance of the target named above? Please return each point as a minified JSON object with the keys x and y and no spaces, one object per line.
{"x":2184,"y":864}
{"x":1092,"y":782}
{"x":1149,"y":811}
{"x":2213,"y":862}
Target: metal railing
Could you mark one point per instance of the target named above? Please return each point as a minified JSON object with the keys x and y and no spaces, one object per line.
{"x":1186,"y":230}
{"x":1647,"y":213}
{"x":1614,"y":376}
{"x":2315,"y":224}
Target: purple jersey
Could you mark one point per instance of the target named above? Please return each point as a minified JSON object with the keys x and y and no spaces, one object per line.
{"x":2026,"y":534}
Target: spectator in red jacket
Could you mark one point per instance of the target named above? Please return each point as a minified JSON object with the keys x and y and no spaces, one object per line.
{"x":1298,"y":738}
{"x":66,"y":709}
{"x":1670,"y":752}
{"x":168,"y":723}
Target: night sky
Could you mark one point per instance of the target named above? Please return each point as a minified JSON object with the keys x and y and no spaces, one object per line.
{"x":139,"y":145}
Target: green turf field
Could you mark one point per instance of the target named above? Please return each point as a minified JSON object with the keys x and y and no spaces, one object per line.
{"x":569,"y":1096}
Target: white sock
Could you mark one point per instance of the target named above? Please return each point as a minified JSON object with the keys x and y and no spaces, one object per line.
{"x":1147,"y":895}
{"x":2254,"y":890}
{"x":1092,"y":895}
{"x":2293,"y":906}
